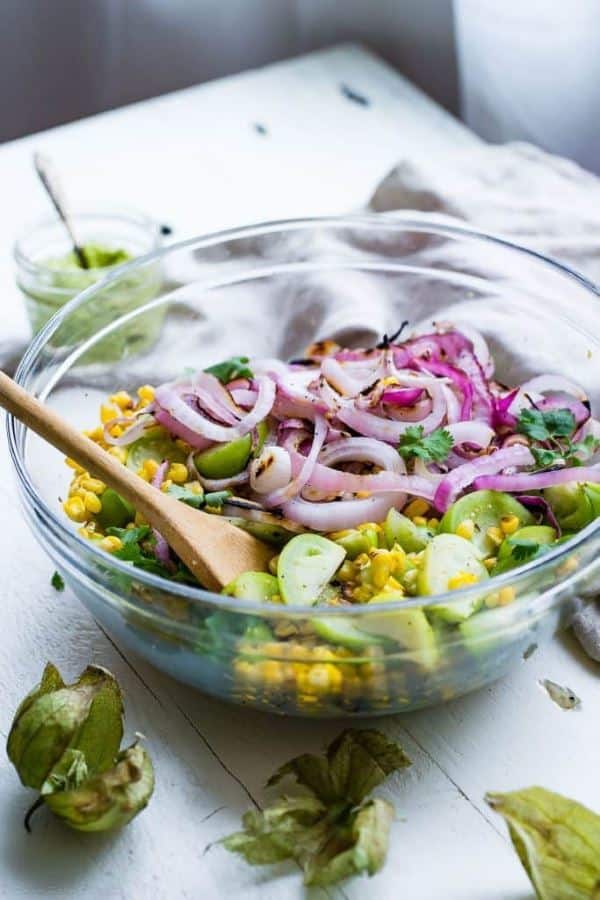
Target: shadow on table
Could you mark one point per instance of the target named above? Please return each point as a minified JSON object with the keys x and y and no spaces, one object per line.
{"x":51,"y":859}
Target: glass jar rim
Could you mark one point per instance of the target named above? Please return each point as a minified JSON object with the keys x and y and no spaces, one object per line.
{"x":126,"y":216}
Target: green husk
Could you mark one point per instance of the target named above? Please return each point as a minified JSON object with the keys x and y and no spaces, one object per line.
{"x":557,"y":841}
{"x":330,"y":832}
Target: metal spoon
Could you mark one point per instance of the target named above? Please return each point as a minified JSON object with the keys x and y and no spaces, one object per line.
{"x":50,"y":180}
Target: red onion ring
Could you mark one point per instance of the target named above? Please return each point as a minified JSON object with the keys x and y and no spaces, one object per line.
{"x":470,"y":472}
{"x":169,"y":400}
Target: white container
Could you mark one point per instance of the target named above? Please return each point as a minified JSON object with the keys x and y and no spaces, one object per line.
{"x":530,"y":70}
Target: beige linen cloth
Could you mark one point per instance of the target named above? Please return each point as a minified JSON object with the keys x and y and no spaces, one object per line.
{"x":515,"y":190}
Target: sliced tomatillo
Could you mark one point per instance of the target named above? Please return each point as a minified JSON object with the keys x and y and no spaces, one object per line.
{"x":257,"y":586}
{"x":306,"y":564}
{"x":227,"y":460}
{"x":116,"y":512}
{"x":155,"y":444}
{"x":575,"y":505}
{"x":485,"y":510}
{"x":399,"y":529}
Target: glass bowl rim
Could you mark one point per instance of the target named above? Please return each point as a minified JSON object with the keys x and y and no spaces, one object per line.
{"x":405,"y":221}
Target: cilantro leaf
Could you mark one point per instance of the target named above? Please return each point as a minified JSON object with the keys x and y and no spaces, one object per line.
{"x":523,"y":548}
{"x":433,"y":447}
{"x":230,"y":369}
{"x":327,"y":831}
{"x":57,"y":582}
{"x":556,"y":839}
{"x":544,"y":425}
{"x":546,"y":458}
{"x":138,"y":549}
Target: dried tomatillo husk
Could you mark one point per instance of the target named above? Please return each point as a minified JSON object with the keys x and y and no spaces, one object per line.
{"x":110,"y":800}
{"x":55,"y":717}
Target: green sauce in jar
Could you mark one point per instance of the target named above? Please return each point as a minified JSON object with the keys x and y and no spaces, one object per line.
{"x":50,"y":279}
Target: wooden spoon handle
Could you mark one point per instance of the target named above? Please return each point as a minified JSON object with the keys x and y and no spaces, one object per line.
{"x":56,"y":431}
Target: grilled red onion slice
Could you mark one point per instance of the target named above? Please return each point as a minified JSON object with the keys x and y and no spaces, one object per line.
{"x":355,"y":449}
{"x":276,"y":498}
{"x":534,"y":482}
{"x":464,"y":475}
{"x":541,"y":384}
{"x":533,"y":501}
{"x":181,"y":431}
{"x":388,"y":430}
{"x":169,"y":400}
{"x":335,"y":516}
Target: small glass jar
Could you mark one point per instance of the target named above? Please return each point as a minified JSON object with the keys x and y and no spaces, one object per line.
{"x":49,"y":276}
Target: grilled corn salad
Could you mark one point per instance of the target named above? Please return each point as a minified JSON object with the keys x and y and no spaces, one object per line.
{"x":377,"y":476}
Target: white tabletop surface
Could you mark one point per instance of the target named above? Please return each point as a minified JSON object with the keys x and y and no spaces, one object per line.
{"x":195,"y":160}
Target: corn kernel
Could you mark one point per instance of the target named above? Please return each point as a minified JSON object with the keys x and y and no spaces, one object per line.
{"x":92,"y":502}
{"x":362,"y":593}
{"x":122,"y":400}
{"x":75,"y":509}
{"x":419,"y":520}
{"x":183,"y":445}
{"x":178,"y":473}
{"x":416,"y":507}
{"x":148,"y":469}
{"x":380,"y":569}
{"x":466,"y":529}
{"x":570,"y":565}
{"x":108,"y":413}
{"x":362,"y":495}
{"x":462,"y":579}
{"x":410,"y":579}
{"x":319,"y":678}
{"x":398,"y":557}
{"x":93,"y":484}
{"x":495,"y":535}
{"x":73,"y":465}
{"x":433,"y":523}
{"x":346,"y":572}
{"x":369,"y":526}
{"x":146,"y":393}
{"x":506,"y":595}
{"x":166,"y":485}
{"x":111,"y":543}
{"x":509,"y":524}
{"x":139,"y":520}
{"x":273,"y":564}
{"x":271,"y":671}
{"x":116,"y":431}
{"x":389,"y":380}
{"x":490,"y":562}
{"x":95,"y":434}
{"x":392,"y":587}
{"x":119,"y":453}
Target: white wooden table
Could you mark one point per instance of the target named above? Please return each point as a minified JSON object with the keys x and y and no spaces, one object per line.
{"x":195,"y":160}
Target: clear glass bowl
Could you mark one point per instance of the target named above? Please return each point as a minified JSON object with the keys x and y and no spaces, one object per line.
{"x":47,"y":288}
{"x":268,"y":290}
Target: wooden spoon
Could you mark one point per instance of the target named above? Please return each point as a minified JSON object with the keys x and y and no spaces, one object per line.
{"x":213,"y":549}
